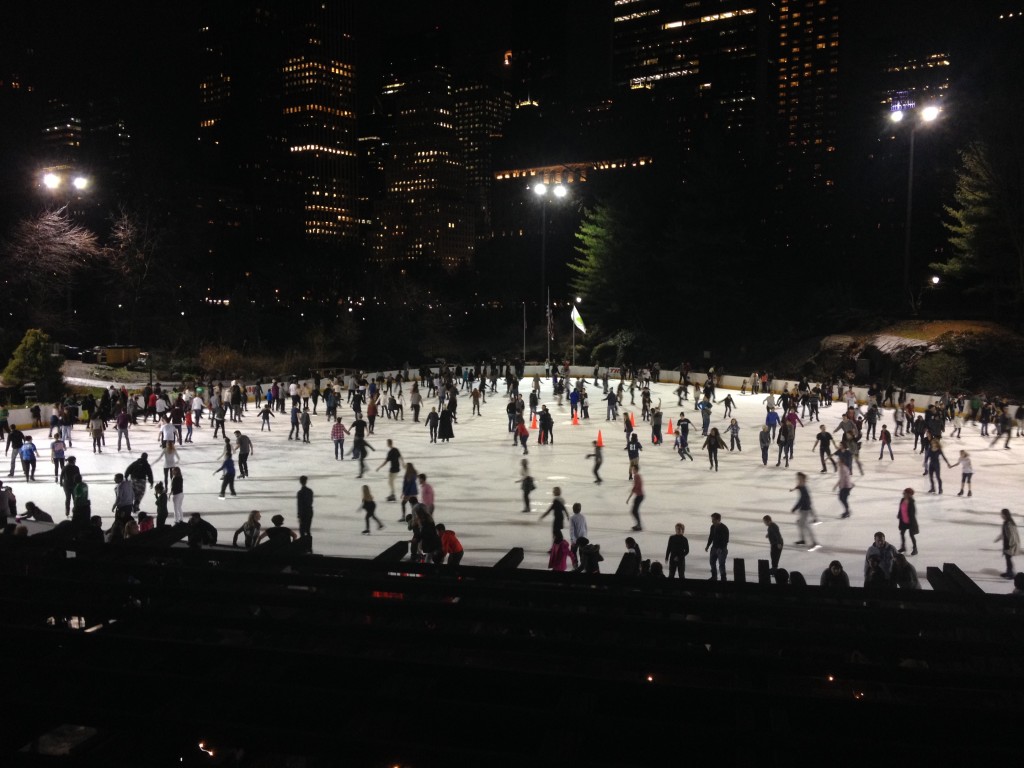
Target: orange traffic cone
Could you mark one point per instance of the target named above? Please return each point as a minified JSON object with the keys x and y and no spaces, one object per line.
{"x":600,"y":440}
{"x":671,"y":431}
{"x":533,"y":424}
{"x":576,"y":419}
{"x":632,"y":419}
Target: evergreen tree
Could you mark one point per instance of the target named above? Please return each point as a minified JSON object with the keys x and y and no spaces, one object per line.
{"x":33,"y":361}
{"x":986,"y":224}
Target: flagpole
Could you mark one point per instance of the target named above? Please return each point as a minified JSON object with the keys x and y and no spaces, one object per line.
{"x":574,"y":344}
{"x":524,"y":333}
{"x":547,"y":317}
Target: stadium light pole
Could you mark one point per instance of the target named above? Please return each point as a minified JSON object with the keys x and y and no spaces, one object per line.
{"x":541,"y":190}
{"x":928,"y":115}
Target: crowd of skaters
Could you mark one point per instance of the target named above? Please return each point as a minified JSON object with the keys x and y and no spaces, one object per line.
{"x":178,"y":413}
{"x":884,"y":565}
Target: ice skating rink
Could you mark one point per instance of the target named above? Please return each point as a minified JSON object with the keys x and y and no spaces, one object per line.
{"x":477,"y":494}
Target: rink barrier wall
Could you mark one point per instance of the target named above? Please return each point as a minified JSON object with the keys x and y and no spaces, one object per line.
{"x":21,"y":418}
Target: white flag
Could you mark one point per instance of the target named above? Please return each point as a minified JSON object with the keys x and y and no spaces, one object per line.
{"x":578,"y":321}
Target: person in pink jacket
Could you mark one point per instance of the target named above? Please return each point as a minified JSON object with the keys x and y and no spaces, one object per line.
{"x":559,"y":553}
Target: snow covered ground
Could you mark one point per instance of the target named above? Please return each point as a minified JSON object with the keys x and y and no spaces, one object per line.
{"x":477,"y":494}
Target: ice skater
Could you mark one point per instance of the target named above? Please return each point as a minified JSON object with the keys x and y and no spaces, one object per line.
{"x":734,"y":436}
{"x":598,"y":460}
{"x":932,"y":467}
{"x":775,"y":543}
{"x":906,"y":516}
{"x":637,"y":497}
{"x":966,"y":473}
{"x":886,"y":440}
{"x":557,"y":510}
{"x":676,"y":551}
{"x":805,"y":511}
{"x":526,"y":484}
{"x":845,"y":482}
{"x":369,"y":506}
{"x":633,"y":449}
{"x":1010,"y":539}
{"x":711,"y":444}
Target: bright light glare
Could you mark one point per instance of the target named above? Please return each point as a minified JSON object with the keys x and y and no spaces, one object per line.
{"x":896,"y":117}
{"x":80,"y":182}
{"x":540,"y":190}
{"x":935,"y":279}
{"x":51,"y":181}
{"x":561,"y":191}
{"x":578,"y":299}
{"x":929,"y":113}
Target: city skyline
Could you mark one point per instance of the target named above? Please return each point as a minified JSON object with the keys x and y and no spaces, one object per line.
{"x":411,"y":141}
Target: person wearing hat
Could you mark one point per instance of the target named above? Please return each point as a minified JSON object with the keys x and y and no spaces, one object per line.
{"x":279,"y":535}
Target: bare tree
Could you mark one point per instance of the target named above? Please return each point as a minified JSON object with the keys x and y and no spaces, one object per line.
{"x":135,"y":257}
{"x":50,"y":249}
{"x":43,"y":256}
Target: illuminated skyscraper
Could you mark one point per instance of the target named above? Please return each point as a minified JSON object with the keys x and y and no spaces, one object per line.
{"x":481,"y":114}
{"x":425,"y":219}
{"x":709,"y":63}
{"x":808,"y":92}
{"x":277,"y":116}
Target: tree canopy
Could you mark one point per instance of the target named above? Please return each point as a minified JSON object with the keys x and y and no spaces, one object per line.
{"x":986,"y":223}
{"x":34,"y":361}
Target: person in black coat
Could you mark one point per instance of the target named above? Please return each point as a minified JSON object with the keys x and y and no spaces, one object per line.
{"x":718,"y":544}
{"x":200,"y":532}
{"x":676,"y":551}
{"x":834,"y":577}
{"x":774,"y":537}
{"x":444,"y":429}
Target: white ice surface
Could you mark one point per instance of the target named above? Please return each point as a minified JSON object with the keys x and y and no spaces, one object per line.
{"x":477,"y":495}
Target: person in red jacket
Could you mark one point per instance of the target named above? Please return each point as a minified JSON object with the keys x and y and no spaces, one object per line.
{"x":450,"y":545}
